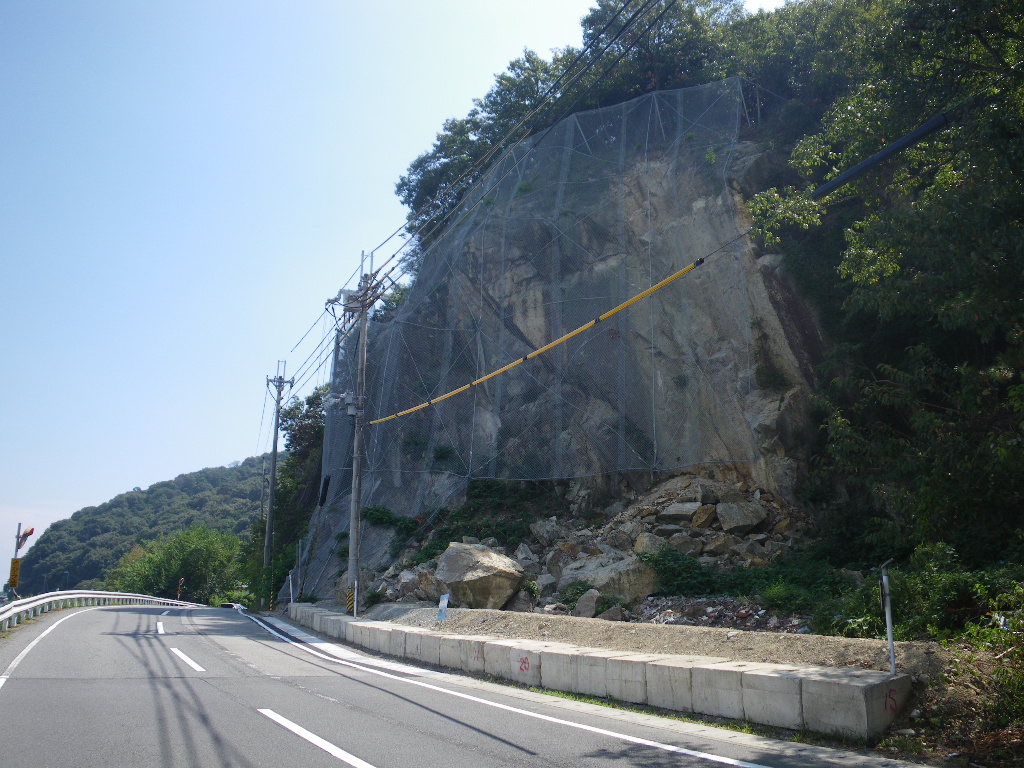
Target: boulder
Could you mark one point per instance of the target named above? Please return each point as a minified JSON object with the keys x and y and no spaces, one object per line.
{"x":571,"y":548}
{"x":546,"y":584}
{"x":523,"y":602}
{"x":430,"y":586}
{"x":720,"y":545}
{"x":783,"y":525}
{"x":555,"y":562}
{"x":684,"y":545}
{"x":751,"y":548}
{"x":614,"y":613}
{"x":531,"y":568}
{"x":629,"y":580}
{"x":649,"y":543}
{"x":547,"y":531}
{"x":704,"y":517}
{"x":741,"y":517}
{"x":408,"y":581}
{"x":706,"y":495}
{"x":619,"y":539}
{"x":679,"y":512}
{"x":477,"y":576}
{"x":523,"y":552}
{"x":586,"y":606}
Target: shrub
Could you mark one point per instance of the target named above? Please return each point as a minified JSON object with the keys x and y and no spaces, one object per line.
{"x":678,"y":574}
{"x":373,"y":596}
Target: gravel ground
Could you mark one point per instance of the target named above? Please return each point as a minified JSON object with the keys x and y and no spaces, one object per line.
{"x":778,"y":646}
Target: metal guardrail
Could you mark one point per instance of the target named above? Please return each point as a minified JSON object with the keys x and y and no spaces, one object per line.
{"x":16,"y":612}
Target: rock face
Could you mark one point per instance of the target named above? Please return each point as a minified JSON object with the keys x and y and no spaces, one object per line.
{"x":719,"y":363}
{"x":477,"y":576}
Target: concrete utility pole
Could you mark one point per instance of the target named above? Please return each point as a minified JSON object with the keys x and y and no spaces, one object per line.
{"x":356,"y":410}
{"x":278,"y":382}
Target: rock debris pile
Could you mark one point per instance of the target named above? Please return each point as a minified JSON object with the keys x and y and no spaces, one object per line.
{"x":721,"y":524}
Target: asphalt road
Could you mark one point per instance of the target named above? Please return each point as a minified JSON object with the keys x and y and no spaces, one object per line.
{"x":132,"y":686}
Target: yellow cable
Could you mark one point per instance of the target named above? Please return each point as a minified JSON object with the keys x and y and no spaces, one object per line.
{"x":551,"y":345}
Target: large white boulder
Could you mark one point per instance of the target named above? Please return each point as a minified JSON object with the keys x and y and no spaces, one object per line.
{"x":477,"y":576}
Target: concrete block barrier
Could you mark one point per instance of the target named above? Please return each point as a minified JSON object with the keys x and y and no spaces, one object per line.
{"x":334,"y":626}
{"x":669,"y":681}
{"x":852,"y":702}
{"x":847,"y":701}
{"x":465,"y":652}
{"x":423,"y":646}
{"x":590,"y":671}
{"x":772,"y":696}
{"x":718,"y":688}
{"x":626,"y":676}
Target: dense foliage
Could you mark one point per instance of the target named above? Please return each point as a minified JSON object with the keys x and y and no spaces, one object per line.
{"x":207,"y":560}
{"x":924,"y":397}
{"x":78,"y":551}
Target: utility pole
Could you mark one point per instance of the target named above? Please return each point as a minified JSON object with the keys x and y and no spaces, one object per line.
{"x":278,"y":382}
{"x":356,"y":410}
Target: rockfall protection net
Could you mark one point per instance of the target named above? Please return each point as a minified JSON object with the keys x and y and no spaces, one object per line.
{"x":571,"y":224}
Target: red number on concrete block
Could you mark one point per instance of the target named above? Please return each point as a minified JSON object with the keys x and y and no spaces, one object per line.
{"x":524,"y":664}
{"x":890,"y":700}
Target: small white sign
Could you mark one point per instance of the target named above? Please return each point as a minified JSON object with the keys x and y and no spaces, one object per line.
{"x":442,"y":608}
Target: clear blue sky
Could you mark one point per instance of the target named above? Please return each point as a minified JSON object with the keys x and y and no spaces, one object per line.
{"x":182,"y":186}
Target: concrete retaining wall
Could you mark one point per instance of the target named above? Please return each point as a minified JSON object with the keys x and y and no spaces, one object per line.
{"x":848,"y":701}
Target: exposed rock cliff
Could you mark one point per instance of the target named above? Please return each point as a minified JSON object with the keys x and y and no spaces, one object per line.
{"x":711,"y":370}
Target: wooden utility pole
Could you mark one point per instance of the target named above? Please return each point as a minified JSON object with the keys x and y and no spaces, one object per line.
{"x":278,"y":382}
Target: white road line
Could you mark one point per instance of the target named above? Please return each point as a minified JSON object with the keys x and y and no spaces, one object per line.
{"x":525,"y":712}
{"x":187,"y":660}
{"x":18,"y":659}
{"x":160,"y":628}
{"x":315,"y":740}
{"x":165,"y":613}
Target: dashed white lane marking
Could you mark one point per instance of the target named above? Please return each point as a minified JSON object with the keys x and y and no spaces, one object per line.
{"x":18,"y":659}
{"x":315,"y":740}
{"x":160,"y":628}
{"x":187,"y":660}
{"x":525,"y":712}
{"x":165,"y":613}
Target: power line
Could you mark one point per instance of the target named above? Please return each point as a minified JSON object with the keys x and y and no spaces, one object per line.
{"x":307,"y":332}
{"x":259,"y":435}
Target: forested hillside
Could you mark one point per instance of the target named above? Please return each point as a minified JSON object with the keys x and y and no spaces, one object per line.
{"x":79,"y":551}
{"x":917,"y":269}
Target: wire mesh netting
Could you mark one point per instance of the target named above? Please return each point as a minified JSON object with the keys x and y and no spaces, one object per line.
{"x":572,"y":223}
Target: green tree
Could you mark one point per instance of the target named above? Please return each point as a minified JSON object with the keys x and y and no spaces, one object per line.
{"x":925,"y":399}
{"x":206,"y":559}
{"x":90,"y":542}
